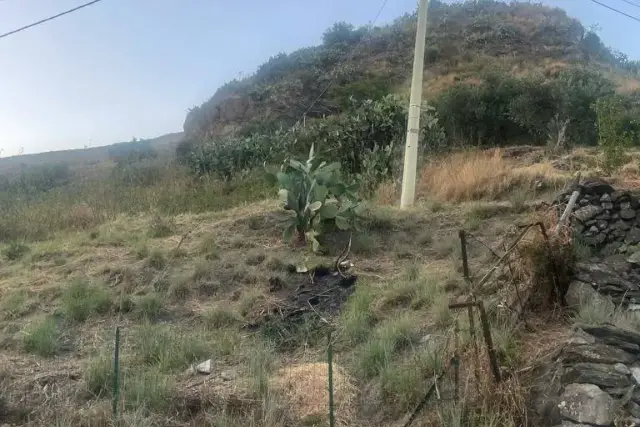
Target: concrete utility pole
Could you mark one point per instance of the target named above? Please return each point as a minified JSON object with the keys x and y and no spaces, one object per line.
{"x":413,"y":125}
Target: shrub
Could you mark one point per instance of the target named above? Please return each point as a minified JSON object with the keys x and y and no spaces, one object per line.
{"x":15,"y":250}
{"x":613,"y":138}
{"x":80,"y":300}
{"x":314,"y":191}
{"x":43,"y":338}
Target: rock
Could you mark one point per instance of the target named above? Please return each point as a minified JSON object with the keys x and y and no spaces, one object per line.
{"x":578,"y":292}
{"x":597,"y":353}
{"x":596,"y":240}
{"x":582,"y":202}
{"x":626,"y":340}
{"x":593,"y":229}
{"x":620,"y":225}
{"x":622,"y":369}
{"x":204,"y":367}
{"x":587,"y":403}
{"x":633,"y":236}
{"x":586,"y":213}
{"x":607,"y":206}
{"x":606,"y":197}
{"x":611,"y":248}
{"x":580,"y":337}
{"x":600,"y":374}
{"x":627,"y":213}
{"x":634,"y":258}
{"x":228,"y":375}
{"x":635,"y":371}
{"x":634,"y":409}
{"x":596,"y":187}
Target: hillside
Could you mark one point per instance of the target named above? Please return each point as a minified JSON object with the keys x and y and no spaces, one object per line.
{"x":463,"y":40}
{"x":82,"y":157}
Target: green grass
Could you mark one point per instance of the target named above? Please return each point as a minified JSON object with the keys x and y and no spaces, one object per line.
{"x":15,"y":304}
{"x":209,"y":248}
{"x":357,"y":318}
{"x":595,"y":311}
{"x":147,"y":390}
{"x":169,"y":349}
{"x":81,"y":300}
{"x":388,"y":339}
{"x":403,"y":382}
{"x":150,"y":306}
{"x":15,"y":250}
{"x":157,"y":259}
{"x":99,"y":375}
{"x":43,"y":338}
{"x":220,"y":316}
{"x":161,"y":226}
{"x":249,"y":299}
{"x":261,"y":360}
{"x":142,"y":251}
{"x":414,"y":290}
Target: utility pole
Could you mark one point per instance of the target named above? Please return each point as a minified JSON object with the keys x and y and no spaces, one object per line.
{"x":413,"y":124}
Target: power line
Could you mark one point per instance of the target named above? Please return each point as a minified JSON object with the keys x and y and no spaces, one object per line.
{"x":616,"y":10}
{"x":631,"y":3}
{"x":42,"y":21}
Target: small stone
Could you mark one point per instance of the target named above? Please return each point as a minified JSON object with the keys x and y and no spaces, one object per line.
{"x":634,"y":258}
{"x":607,"y":206}
{"x":583,"y":202}
{"x":606,"y":197}
{"x":627,"y":214}
{"x":602,"y":224}
{"x":587,"y":403}
{"x":625,"y":205}
{"x":204,"y":367}
{"x":593,"y":229}
{"x":596,"y":187}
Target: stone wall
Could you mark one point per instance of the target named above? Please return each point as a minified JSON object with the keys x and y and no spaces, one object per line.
{"x":594,"y":378}
{"x":605,"y":219}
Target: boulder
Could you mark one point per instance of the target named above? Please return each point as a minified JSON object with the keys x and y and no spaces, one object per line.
{"x":587,"y":403}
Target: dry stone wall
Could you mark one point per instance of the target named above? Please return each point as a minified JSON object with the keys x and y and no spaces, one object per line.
{"x":594,"y":378}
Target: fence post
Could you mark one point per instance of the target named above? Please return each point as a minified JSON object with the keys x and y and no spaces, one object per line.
{"x":332,"y":420}
{"x":465,"y":260}
{"x":116,"y":369}
{"x":456,"y":366}
{"x":486,"y":330}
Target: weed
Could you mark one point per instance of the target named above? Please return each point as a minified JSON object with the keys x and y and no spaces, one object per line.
{"x":142,"y":251}
{"x":43,"y":338}
{"x":581,"y":250}
{"x":15,"y":304}
{"x":202,"y":270}
{"x":157,"y":260}
{"x":161,"y":227}
{"x":220,"y":316}
{"x":249,"y":299}
{"x":150,"y":306}
{"x":442,"y":315}
{"x":276,"y":264}
{"x":169,"y":349}
{"x":80,"y":300}
{"x":15,"y":250}
{"x":518,"y":200}
{"x":209,"y":248}
{"x":255,"y":258}
{"x":147,"y":390}
{"x":388,"y":339}
{"x":260,"y":361}
{"x":595,"y":310}
{"x":180,"y":290}
{"x":357,"y":319}
{"x":445,"y":246}
{"x":99,"y":375}
{"x":403,"y":382}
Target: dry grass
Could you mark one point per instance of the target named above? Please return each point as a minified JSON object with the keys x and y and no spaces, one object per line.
{"x":476,"y":175}
{"x":305,"y":388}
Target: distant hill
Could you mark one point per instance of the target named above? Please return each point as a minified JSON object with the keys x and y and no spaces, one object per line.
{"x":463,"y":40}
{"x":164,"y":145}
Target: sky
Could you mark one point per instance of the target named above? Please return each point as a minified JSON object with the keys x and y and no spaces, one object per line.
{"x":132,"y":68}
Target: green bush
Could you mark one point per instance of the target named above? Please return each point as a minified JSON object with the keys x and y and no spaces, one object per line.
{"x":14,"y":250}
{"x":614,"y":139}
{"x":81,"y":300}
{"x":315,"y":192}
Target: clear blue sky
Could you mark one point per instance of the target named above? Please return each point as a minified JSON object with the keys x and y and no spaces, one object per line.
{"x":125,"y":68}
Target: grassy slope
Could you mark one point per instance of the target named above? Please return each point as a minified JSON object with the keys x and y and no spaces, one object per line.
{"x":62,"y":299}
